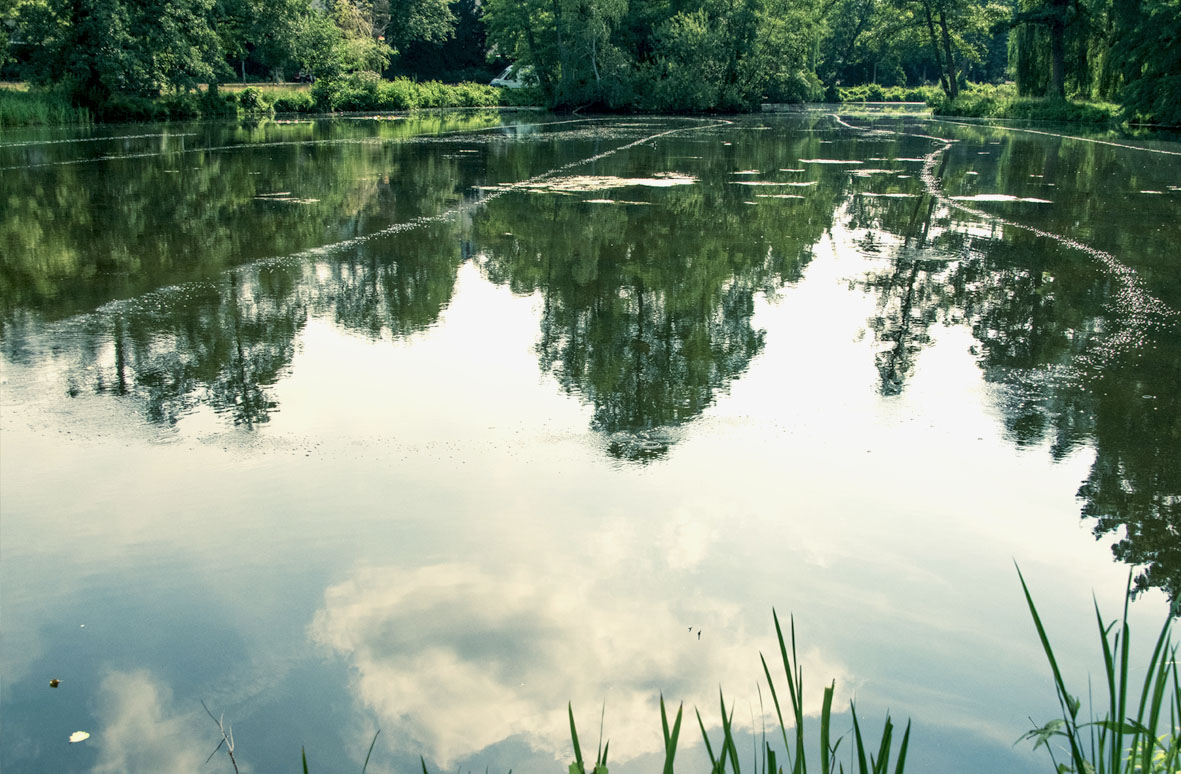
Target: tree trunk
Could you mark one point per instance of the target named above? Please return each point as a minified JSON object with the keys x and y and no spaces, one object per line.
{"x":564,"y":69}
{"x":1057,"y":60}
{"x":547,"y":86}
{"x":595,"y":66}
{"x":935,"y":48}
{"x":952,"y":77}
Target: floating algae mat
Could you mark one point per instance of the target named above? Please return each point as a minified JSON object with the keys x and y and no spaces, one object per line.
{"x":1000,"y":198}
{"x":617,"y":201}
{"x":773,"y":182}
{"x":589,"y":183}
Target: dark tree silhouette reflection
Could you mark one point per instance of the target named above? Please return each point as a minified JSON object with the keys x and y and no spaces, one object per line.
{"x":647,"y":303}
{"x":1071,"y":363}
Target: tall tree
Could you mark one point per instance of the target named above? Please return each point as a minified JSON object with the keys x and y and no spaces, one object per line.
{"x":96,"y":48}
{"x":1044,"y":23}
{"x":410,"y":21}
{"x":1148,"y":46}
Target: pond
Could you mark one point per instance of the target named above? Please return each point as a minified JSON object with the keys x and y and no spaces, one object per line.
{"x":434,"y":424}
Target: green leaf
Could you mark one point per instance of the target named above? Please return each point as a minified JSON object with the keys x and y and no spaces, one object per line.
{"x":577,"y":749}
{"x":1041,"y":736}
{"x":366,"y":765}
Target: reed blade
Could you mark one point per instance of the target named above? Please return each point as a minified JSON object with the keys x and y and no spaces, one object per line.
{"x":574,"y":738}
{"x":366,"y":764}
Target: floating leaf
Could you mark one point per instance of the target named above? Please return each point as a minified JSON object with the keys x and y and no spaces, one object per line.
{"x":79,"y":736}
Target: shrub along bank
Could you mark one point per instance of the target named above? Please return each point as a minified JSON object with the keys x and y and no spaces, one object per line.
{"x":872,"y":92}
{"x":358,"y":91}
{"x":1002,"y":101}
{"x":34,"y":108}
{"x":366,"y":91}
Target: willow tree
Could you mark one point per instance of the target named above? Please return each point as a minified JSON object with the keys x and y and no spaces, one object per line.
{"x":1051,"y":45}
{"x":1148,"y":50}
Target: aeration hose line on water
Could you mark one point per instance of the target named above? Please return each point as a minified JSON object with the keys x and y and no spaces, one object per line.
{"x":455,"y":212}
{"x":494,"y":194}
{"x":255,"y":145}
{"x":1137,"y":303}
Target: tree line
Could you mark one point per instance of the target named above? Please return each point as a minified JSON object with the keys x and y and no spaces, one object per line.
{"x":97,"y":49}
{"x":666,"y":55}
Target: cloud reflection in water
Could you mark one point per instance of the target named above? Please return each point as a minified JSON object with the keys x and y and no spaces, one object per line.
{"x":456,"y":658}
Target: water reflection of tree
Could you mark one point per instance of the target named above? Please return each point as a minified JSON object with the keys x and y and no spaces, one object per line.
{"x":393,"y":286}
{"x":1044,"y":321}
{"x":1134,"y":489}
{"x":225,"y":344}
{"x":222,"y":344}
{"x":912,"y":289}
{"x":221,"y":336}
{"x":75,"y":236}
{"x":646,"y":309}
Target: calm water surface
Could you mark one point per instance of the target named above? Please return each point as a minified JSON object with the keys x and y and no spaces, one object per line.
{"x":432,"y":425}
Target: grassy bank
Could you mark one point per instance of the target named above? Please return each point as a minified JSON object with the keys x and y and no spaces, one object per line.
{"x":1002,"y":101}
{"x":20,"y":107}
{"x":368,"y":92}
{"x":358,"y":92}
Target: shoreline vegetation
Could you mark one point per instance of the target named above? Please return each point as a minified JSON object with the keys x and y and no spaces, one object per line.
{"x":21,"y":106}
{"x":124,"y":60}
{"x":357,"y":92}
{"x":1003,"y":101}
{"x":1137,"y":729}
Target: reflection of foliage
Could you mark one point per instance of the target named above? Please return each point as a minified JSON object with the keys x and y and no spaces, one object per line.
{"x":643,"y":331}
{"x":912,"y":291}
{"x":226,"y":344}
{"x":222,"y":345}
{"x":1134,"y":489}
{"x":646,"y":307}
{"x":77,"y":235}
{"x":1044,"y":321}
{"x":396,"y":286}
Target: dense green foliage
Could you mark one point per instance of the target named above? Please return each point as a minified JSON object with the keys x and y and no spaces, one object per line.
{"x":678,"y":56}
{"x":872,"y":92}
{"x":1124,"y":50}
{"x":652,"y":55}
{"x":355,"y":92}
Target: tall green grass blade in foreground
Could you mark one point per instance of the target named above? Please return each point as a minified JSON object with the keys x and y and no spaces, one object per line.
{"x":1117,"y":743}
{"x":728,"y":751}
{"x":826,"y":752}
{"x":709,"y":749}
{"x":370,"y":753}
{"x":576,"y":767}
{"x":797,"y":759}
{"x":670,"y":738}
{"x":728,"y":746}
